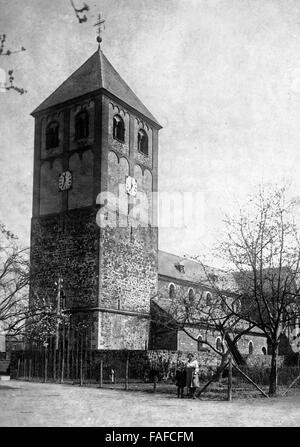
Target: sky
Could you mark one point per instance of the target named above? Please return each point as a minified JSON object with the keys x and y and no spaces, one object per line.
{"x":221,"y":76}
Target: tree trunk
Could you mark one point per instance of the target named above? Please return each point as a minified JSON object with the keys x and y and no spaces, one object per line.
{"x":273,"y":372}
{"x":220,"y":368}
{"x":239,"y":360}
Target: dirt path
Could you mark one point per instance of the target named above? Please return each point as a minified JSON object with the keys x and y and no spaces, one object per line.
{"x":38,"y":404}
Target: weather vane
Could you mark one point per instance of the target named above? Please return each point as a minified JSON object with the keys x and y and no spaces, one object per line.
{"x":99,"y":24}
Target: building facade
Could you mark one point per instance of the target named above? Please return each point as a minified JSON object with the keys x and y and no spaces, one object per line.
{"x":181,"y":282}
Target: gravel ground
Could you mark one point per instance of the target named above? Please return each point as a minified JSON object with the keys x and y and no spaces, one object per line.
{"x":27,"y":404}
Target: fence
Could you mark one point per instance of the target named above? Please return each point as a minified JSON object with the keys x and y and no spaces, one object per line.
{"x":78,"y":366}
{"x":138,"y":370}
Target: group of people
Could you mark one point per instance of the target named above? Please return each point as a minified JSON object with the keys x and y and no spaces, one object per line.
{"x":187,"y":376}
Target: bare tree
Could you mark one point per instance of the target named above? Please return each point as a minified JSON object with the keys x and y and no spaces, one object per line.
{"x":8,"y":52}
{"x":215,"y":312}
{"x":262,"y":249}
{"x":14,"y":280}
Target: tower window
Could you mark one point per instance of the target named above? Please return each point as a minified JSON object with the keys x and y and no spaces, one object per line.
{"x":82,"y":125}
{"x":143,"y":142}
{"x":52,"y":132}
{"x":118,"y":129}
{"x":171,"y":291}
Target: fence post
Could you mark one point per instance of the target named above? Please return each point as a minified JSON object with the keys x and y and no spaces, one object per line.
{"x":46,"y":364}
{"x":18,"y":370}
{"x":63,"y":355}
{"x":23,"y":365}
{"x":59,"y":360}
{"x":154,"y":383}
{"x":81,"y":365}
{"x":126,"y":372}
{"x":29,"y":371}
{"x":68,"y":352}
{"x":101,"y":374}
{"x":54,"y":359}
{"x":230,"y":379}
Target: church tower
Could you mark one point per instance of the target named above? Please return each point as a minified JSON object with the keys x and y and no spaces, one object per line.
{"x":95,"y":162}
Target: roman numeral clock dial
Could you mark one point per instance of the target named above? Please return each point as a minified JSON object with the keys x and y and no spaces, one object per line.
{"x":65,"y":180}
{"x":131,"y":186}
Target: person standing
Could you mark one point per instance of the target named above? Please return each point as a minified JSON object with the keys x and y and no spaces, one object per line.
{"x":192,"y":378}
{"x":180,"y":378}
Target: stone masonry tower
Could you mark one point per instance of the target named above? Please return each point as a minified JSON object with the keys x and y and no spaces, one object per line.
{"x":93,"y":135}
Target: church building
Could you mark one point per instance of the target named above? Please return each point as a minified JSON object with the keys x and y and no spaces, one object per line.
{"x":96,"y":148}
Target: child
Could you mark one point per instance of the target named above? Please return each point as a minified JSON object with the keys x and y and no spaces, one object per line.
{"x":180,"y":378}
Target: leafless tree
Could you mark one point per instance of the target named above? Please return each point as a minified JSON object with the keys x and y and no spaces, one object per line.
{"x":262,"y":249}
{"x":7,"y":52}
{"x":196,"y":312}
{"x":14,"y":280}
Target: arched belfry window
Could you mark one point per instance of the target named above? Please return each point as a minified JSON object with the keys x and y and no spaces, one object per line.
{"x":143,"y":142}
{"x":52,"y":135}
{"x":118,"y":128}
{"x":171,"y":291}
{"x":82,"y":125}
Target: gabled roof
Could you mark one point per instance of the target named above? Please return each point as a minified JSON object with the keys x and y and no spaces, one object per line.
{"x":96,"y":73}
{"x":194,"y":271}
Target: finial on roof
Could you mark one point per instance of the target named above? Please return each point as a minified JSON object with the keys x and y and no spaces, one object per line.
{"x":99,"y":24}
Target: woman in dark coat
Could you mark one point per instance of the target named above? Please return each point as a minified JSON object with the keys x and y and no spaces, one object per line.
{"x":180,"y":378}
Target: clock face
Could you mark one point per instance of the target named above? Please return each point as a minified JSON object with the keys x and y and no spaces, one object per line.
{"x":131,"y":186}
{"x":65,"y":180}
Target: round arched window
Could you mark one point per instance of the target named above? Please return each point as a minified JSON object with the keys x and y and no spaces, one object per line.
{"x":171,"y":290}
{"x":250,"y":347}
{"x":143,"y":142}
{"x":52,"y":135}
{"x":191,"y":296}
{"x":263,"y":350}
{"x":118,"y":128}
{"x":82,"y":125}
{"x":208,"y":299}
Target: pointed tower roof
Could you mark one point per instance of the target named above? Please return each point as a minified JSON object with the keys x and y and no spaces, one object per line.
{"x":96,"y":73}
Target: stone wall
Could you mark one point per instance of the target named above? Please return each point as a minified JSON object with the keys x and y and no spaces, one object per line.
{"x":181,"y":290}
{"x":187,"y":343}
{"x":122,"y":331}
{"x":67,"y":245}
{"x":128,"y":280}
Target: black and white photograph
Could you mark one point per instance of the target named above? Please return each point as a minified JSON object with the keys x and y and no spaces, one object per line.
{"x":149,"y":216}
